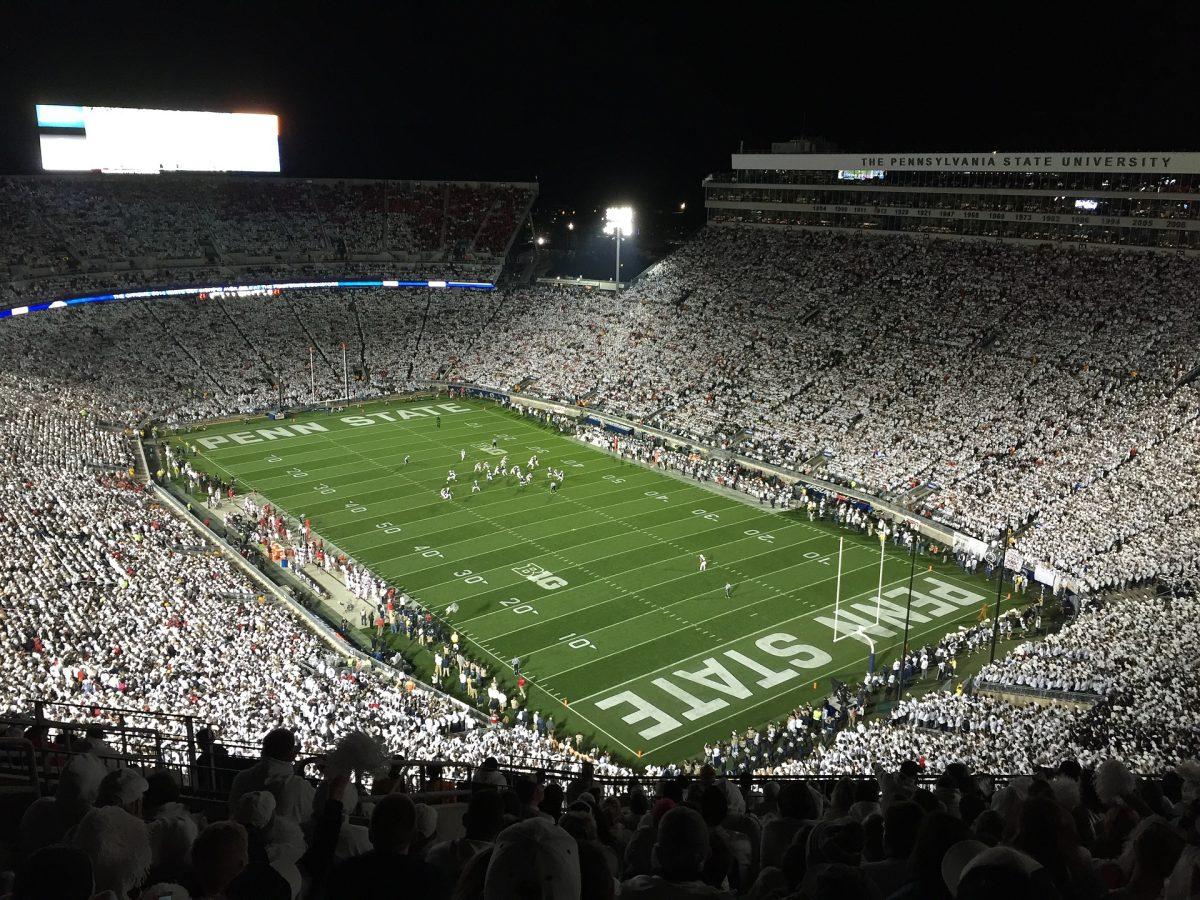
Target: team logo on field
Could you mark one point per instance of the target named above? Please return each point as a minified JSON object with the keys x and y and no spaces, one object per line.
{"x":541,"y":577}
{"x":488,"y":448}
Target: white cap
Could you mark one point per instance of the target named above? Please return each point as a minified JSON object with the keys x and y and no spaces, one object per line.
{"x":255,"y":809}
{"x":125,"y":785}
{"x":534,"y":858}
{"x":426,"y":820}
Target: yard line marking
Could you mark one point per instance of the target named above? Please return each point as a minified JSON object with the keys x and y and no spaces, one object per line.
{"x":464,"y":561}
{"x":626,"y":592}
{"x":410,"y":432}
{"x":808,"y":614}
{"x":778,"y":595}
{"x":745,"y":709}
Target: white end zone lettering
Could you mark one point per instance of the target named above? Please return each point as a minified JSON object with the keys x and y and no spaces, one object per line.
{"x":641,"y":711}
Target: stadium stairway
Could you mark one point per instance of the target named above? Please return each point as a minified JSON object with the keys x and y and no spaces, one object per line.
{"x":362,"y":340}
{"x":812,"y":313}
{"x":274,"y":376}
{"x":521,"y":219}
{"x":483,"y":220}
{"x":202,"y":369}
{"x":502,"y":299}
{"x":420,"y":332}
{"x":445,"y":216}
{"x":312,"y":341}
{"x":1187,"y":379}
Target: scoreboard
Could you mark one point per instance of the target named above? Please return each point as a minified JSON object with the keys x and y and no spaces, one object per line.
{"x":114,"y":139}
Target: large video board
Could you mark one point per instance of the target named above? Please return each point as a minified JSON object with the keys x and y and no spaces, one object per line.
{"x":112,"y":139}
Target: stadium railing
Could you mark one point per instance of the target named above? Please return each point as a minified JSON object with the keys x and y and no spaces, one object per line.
{"x":1003,"y":691}
{"x":33,"y":764}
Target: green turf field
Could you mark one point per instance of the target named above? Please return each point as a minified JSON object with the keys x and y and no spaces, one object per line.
{"x":596,"y":587}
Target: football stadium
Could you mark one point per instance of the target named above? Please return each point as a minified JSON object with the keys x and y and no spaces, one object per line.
{"x":388,"y":525}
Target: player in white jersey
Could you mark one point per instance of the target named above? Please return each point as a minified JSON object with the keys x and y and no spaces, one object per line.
{"x":728,"y":590}
{"x":504,"y":461}
{"x":446,"y":495}
{"x":489,"y":473}
{"x":462,"y":455}
{"x":475,"y":486}
{"x":517,"y":471}
{"x":703,"y":562}
{"x":478,"y":466}
{"x":406,"y":459}
{"x":453,"y":476}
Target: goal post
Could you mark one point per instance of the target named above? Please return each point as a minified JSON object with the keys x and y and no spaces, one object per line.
{"x":858,"y":632}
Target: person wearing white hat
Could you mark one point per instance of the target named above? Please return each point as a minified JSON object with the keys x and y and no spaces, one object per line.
{"x":118,"y":845}
{"x":534,"y":859}
{"x":974,"y":871}
{"x":124,"y":788}
{"x":275,"y":773}
{"x":48,"y":819}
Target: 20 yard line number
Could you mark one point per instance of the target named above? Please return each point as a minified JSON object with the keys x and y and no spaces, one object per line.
{"x":519,"y":606}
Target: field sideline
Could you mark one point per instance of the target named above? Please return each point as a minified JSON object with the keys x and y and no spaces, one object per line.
{"x":595,"y":587}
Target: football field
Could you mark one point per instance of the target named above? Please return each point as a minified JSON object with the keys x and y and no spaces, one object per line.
{"x":596,"y":586}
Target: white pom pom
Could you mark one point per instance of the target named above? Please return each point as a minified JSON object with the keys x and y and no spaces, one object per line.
{"x":357,"y":752}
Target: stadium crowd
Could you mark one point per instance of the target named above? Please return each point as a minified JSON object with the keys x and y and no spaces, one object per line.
{"x":1066,"y":832}
{"x":65,"y":225}
{"x":987,"y":386}
{"x":109,"y":602}
{"x":893,"y":374}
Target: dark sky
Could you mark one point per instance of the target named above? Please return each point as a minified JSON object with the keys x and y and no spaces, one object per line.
{"x":612,"y":101}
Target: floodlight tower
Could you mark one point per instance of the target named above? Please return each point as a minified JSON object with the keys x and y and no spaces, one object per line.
{"x":618,"y":221}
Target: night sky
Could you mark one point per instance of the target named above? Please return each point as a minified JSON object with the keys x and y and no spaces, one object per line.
{"x":604,"y":102}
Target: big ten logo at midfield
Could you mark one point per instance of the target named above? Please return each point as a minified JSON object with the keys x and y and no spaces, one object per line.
{"x":539,"y":576}
{"x":488,"y":448}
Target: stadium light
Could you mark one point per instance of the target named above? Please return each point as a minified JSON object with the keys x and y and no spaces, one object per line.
{"x":618,"y":221}
{"x":541,"y":241}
